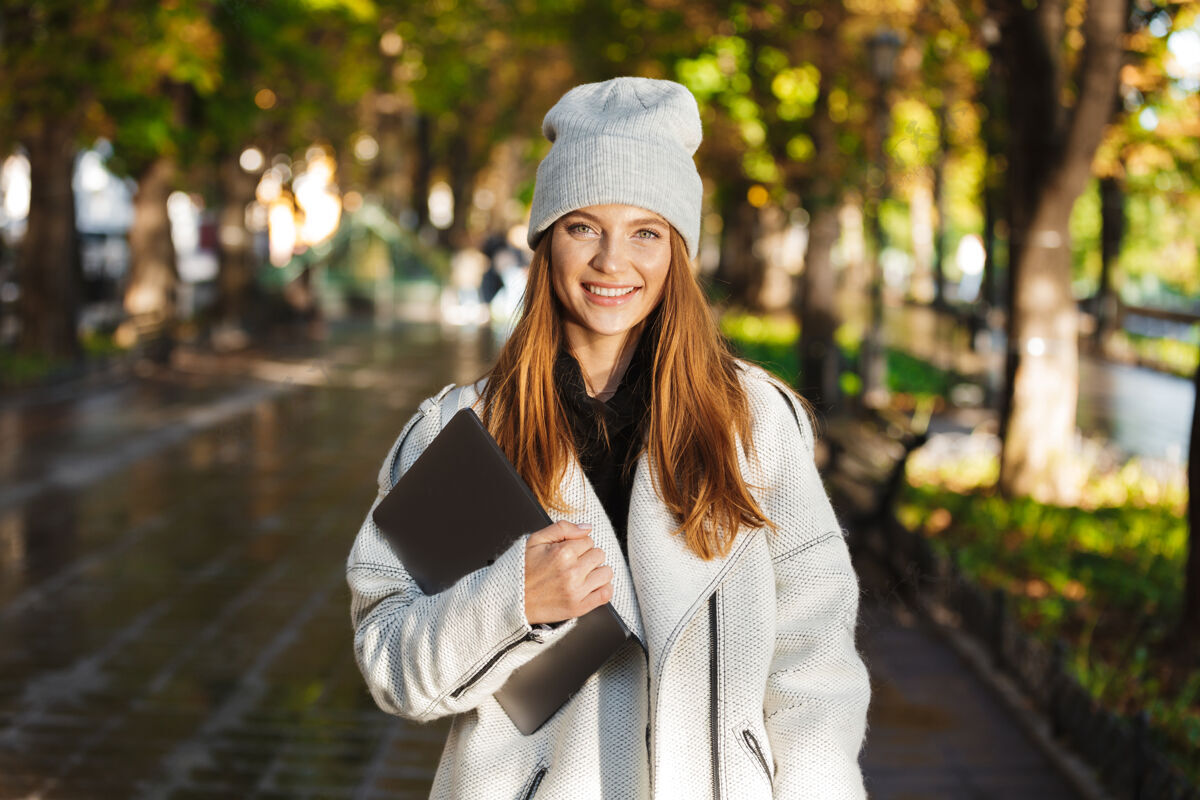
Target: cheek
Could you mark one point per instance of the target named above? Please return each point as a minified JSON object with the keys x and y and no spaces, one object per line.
{"x":558,"y":282}
{"x":656,"y":280}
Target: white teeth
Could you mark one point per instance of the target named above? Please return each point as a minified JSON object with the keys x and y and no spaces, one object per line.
{"x":603,"y":292}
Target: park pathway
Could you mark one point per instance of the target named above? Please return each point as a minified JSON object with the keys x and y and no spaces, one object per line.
{"x":174,"y":623}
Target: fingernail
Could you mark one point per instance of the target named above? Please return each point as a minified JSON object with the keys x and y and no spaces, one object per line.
{"x":587,"y":526}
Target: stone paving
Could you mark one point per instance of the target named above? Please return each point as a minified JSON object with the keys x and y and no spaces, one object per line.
{"x":177,"y":625}
{"x":934,"y":731}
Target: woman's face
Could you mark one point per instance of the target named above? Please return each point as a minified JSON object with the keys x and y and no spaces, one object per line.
{"x":608,"y":266}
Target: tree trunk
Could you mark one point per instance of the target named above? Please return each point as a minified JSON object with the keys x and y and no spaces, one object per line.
{"x":423,"y":170}
{"x":1050,"y":163}
{"x":235,"y":257}
{"x":872,"y":364}
{"x":1038,"y":457}
{"x":389,"y":174}
{"x":940,"y":206}
{"x":820,"y":360}
{"x":1112,"y":232}
{"x":462,"y":187}
{"x":1190,"y":624}
{"x":48,"y":305}
{"x":921,"y":285}
{"x":818,"y":313}
{"x":739,"y":271}
{"x":150,"y":289}
{"x":995,"y":140}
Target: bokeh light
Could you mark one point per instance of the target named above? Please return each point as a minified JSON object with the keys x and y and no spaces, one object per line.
{"x":264,"y":99}
{"x":251,"y":159}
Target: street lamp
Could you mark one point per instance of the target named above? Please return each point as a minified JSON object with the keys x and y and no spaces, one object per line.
{"x":882,"y":49}
{"x":884,"y":45}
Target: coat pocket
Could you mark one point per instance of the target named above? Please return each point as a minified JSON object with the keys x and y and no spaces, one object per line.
{"x":750,"y":742}
{"x":491,"y":662}
{"x":534,"y":782}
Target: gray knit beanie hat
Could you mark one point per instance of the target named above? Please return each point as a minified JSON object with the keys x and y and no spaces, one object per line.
{"x":628,"y":141}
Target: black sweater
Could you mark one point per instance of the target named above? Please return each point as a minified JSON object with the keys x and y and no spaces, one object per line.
{"x":608,"y":461}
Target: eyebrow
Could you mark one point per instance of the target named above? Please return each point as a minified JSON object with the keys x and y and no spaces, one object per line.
{"x":635,"y":222}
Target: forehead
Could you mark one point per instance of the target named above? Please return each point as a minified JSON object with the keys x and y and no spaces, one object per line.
{"x":616,"y":214}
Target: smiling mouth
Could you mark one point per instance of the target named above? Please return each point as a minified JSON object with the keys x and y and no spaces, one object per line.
{"x":604,"y":291}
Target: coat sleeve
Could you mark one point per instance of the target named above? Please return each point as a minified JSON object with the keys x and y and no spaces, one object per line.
{"x":427,"y":656}
{"x":817,"y":692}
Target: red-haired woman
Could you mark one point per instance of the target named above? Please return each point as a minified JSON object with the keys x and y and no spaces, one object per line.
{"x":688,"y":497}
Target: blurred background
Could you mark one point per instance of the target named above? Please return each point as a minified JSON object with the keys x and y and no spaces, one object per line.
{"x":968,"y":232}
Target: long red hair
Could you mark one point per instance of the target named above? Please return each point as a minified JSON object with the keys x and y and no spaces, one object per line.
{"x":698,"y":409}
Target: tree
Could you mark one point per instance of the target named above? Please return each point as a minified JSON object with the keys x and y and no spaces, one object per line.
{"x":46,"y":106}
{"x":766,"y":84}
{"x":1050,"y":161}
{"x":1190,"y":620}
{"x":168,"y":58}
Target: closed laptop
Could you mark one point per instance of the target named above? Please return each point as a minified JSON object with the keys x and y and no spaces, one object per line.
{"x":462,"y":504}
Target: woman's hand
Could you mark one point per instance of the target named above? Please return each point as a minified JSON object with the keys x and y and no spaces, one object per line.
{"x":565,"y":574}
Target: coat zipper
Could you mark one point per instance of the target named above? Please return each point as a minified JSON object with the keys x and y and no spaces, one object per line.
{"x":535,"y":783}
{"x":713,"y":721}
{"x":748,"y":735}
{"x":491,"y":662}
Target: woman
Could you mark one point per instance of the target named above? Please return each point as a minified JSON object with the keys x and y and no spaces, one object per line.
{"x":688,"y":499}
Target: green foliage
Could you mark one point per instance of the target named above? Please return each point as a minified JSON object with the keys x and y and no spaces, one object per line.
{"x":99,"y":344}
{"x":1107,"y":576}
{"x":1161,"y":251}
{"x":963,"y":177}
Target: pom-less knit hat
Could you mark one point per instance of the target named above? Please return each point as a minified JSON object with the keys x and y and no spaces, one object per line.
{"x":628,"y":141}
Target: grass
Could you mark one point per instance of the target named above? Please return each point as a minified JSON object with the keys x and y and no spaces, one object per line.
{"x":773,"y":342}
{"x":1176,"y":356}
{"x":19,"y":370}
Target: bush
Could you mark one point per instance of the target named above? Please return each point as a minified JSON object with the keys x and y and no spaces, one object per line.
{"x":1106,"y":577}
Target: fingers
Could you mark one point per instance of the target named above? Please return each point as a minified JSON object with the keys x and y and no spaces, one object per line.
{"x":597,"y":578}
{"x":560,"y":531}
{"x":565,"y":573}
{"x":597,"y":597}
{"x":591,"y":559}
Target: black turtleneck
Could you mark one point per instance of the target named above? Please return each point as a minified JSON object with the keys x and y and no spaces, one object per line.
{"x":609,"y":461}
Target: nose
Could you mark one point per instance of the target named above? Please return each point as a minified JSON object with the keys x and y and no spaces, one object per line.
{"x":608,"y":257}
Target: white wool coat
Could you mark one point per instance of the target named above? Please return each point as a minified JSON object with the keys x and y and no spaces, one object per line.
{"x":741,"y":680}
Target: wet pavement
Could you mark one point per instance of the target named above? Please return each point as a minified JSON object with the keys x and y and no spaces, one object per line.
{"x":933,"y":729}
{"x":174,"y":621}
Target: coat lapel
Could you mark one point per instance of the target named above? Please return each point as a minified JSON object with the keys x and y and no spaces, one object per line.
{"x":586,"y":507}
{"x":671,"y":581}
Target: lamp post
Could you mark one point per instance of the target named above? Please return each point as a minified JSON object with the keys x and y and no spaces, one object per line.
{"x":882,"y":47}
